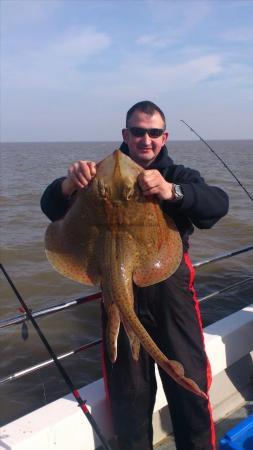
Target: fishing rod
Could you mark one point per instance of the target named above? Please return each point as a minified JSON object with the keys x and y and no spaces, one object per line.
{"x":227,"y":288}
{"x":220,"y":159}
{"x":75,"y":392}
{"x":48,"y":362}
{"x":219,"y":257}
{"x":21,"y":318}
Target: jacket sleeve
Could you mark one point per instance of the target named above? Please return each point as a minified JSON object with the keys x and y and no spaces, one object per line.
{"x":203,"y":204}
{"x":53,"y":203}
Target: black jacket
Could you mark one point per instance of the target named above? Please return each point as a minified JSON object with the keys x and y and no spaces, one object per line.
{"x":202,"y":205}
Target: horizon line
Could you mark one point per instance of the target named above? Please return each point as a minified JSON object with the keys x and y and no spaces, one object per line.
{"x":105,"y":141}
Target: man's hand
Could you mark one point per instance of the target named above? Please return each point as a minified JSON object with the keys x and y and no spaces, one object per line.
{"x":152,"y":182}
{"x":79,"y":176}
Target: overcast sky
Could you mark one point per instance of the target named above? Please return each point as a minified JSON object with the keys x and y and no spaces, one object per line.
{"x":71,"y":69}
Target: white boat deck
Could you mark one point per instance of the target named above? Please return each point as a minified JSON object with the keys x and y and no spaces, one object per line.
{"x":221,"y":427}
{"x":229,"y":345}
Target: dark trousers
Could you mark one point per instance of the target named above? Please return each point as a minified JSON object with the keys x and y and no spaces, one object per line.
{"x":169,"y":311}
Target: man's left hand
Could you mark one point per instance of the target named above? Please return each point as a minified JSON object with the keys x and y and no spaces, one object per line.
{"x":152,"y":182}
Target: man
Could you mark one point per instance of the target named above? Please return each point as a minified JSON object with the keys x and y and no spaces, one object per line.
{"x":168,"y":310}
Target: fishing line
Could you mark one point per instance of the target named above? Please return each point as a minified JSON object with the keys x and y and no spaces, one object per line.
{"x":75,"y":392}
{"x":220,"y":159}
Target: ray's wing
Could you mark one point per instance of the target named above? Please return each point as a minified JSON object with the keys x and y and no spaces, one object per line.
{"x":160,"y":248}
{"x":73,"y":244}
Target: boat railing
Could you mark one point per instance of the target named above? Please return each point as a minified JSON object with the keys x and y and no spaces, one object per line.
{"x":72,"y":303}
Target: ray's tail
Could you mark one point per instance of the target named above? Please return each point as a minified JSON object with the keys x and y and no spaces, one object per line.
{"x":173,"y":368}
{"x":120,"y":291}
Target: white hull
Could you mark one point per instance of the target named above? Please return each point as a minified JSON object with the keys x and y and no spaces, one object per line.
{"x":61,"y":425}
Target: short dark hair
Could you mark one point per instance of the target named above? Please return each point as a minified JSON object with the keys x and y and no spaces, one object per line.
{"x":147,"y":107}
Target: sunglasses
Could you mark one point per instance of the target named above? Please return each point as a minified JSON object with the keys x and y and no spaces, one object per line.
{"x":152,"y":132}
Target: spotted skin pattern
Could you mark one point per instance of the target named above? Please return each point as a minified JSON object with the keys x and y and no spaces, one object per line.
{"x":113,"y":236}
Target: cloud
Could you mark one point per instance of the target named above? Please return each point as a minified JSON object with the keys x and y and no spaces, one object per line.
{"x":180,"y":16}
{"x":174,"y":21}
{"x":195,"y":12}
{"x":62,"y":59}
{"x":56,"y":64}
{"x":77,"y":46}
{"x":19,"y":12}
{"x":238,"y":35}
{"x":153,"y":40}
{"x":192,"y":71}
{"x":175,"y":76}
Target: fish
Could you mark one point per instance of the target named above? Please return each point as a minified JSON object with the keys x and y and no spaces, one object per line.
{"x":114,"y":237}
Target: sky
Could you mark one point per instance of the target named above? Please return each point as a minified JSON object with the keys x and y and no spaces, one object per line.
{"x":70,"y":70}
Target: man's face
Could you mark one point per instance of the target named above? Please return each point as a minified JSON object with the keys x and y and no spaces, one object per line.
{"x":143,"y":150}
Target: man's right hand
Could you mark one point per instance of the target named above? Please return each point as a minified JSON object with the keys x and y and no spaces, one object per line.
{"x":79,"y":176}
